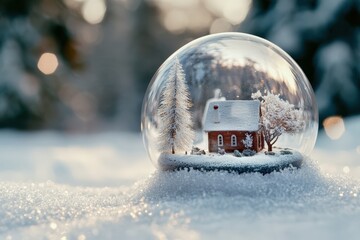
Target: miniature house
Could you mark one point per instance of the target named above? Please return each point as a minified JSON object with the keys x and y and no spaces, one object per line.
{"x":228,"y":122}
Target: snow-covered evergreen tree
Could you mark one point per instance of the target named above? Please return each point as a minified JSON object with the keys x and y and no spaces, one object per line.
{"x":278,"y":116}
{"x":176,"y":133}
{"x":248,"y":141}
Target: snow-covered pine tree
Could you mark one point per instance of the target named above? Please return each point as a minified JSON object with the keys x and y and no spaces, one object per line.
{"x":176,"y":133}
{"x":278,"y":116}
{"x":248,"y":141}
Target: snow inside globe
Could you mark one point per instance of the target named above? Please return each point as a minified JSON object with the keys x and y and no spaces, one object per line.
{"x":229,"y":101}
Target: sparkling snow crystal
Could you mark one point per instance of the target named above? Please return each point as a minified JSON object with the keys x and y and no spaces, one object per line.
{"x":185,"y":205}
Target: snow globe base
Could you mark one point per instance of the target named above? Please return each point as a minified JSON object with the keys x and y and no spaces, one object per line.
{"x":262,"y":162}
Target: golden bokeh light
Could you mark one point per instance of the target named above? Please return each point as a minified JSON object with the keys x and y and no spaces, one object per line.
{"x":199,"y":15}
{"x":176,"y":21}
{"x":48,"y":63}
{"x":234,"y":11}
{"x":93,"y":11}
{"x":334,"y":127}
{"x":220,"y":25}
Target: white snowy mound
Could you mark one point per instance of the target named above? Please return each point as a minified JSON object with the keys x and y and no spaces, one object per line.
{"x":258,"y":163}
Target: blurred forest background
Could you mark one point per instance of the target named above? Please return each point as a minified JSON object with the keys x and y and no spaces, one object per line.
{"x":84,"y":65}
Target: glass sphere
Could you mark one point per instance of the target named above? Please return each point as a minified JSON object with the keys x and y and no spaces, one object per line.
{"x":227,"y":67}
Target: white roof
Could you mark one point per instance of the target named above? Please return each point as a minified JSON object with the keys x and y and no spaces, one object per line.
{"x":234,"y":115}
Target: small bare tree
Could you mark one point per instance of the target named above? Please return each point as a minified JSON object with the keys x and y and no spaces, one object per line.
{"x":176,"y":133}
{"x":278,"y":117}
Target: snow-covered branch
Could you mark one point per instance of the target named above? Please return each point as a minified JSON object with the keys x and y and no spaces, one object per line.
{"x":278,"y":116}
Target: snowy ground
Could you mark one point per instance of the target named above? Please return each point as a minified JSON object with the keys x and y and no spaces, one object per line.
{"x":103,"y":186}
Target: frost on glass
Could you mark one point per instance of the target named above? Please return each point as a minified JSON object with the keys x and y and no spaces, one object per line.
{"x":227,"y":67}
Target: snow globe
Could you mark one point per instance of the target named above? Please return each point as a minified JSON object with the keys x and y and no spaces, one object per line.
{"x":229,"y":101}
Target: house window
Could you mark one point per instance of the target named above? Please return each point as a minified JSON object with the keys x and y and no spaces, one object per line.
{"x":233,"y":141}
{"x":220,"y":140}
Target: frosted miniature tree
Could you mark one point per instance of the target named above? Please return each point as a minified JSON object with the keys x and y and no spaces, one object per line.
{"x":176,"y":133}
{"x":248,"y":141}
{"x":278,"y":117}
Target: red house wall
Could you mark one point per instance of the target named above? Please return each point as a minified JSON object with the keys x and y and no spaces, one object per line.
{"x":258,"y":141}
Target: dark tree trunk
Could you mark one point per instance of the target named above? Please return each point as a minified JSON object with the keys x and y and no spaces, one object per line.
{"x":269,"y":146}
{"x":173,"y":135}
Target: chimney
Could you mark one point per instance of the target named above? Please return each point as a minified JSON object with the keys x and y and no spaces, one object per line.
{"x":216,"y":114}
